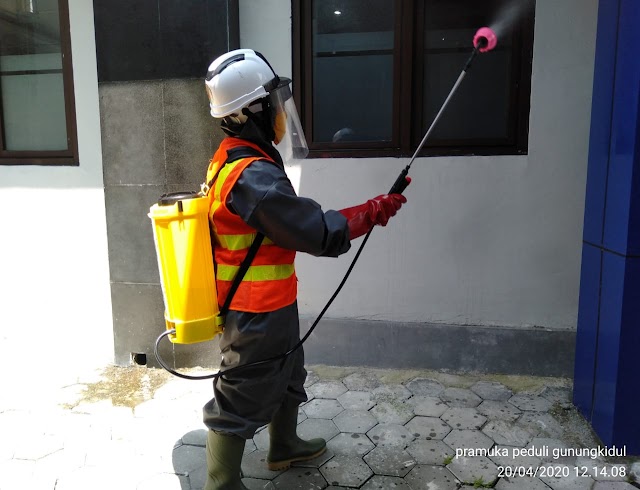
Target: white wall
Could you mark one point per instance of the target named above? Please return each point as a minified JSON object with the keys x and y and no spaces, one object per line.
{"x":482,"y":240}
{"x":55,"y":300}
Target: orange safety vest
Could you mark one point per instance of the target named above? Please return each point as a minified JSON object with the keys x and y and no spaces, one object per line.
{"x":270,"y":282}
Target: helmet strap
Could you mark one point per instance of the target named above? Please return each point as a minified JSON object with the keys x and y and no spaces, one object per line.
{"x":262,"y":119}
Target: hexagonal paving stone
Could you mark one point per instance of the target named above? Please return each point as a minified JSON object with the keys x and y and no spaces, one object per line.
{"x":390,"y":393}
{"x":195,"y":438}
{"x":356,"y":400}
{"x":557,"y":394}
{"x":392,"y":413}
{"x":315,"y":462}
{"x":188,"y":458}
{"x":75,"y":479}
{"x":358,"y":421}
{"x":475,"y":470}
{"x":348,"y":471}
{"x":311,"y":379}
{"x":424,"y":477}
{"x":261,"y":439}
{"x":312,"y":428}
{"x":327,"y":389}
{"x":530,"y":402}
{"x":467,"y":439}
{"x":378,"y":482}
{"x":428,"y":428}
{"x":300,"y":479}
{"x":463,"y":418}
{"x":507,"y":433}
{"x":322,"y":408}
{"x":495,"y":410}
{"x":425,"y":387}
{"x":249,"y":447}
{"x":47,"y":444}
{"x":390,"y":461}
{"x":430,"y":452}
{"x":541,"y":424}
{"x":491,"y":390}
{"x":254,"y":484}
{"x":350,"y":444}
{"x":164,"y":480}
{"x":517,"y":483}
{"x":70,"y":459}
{"x":361,"y":382}
{"x":427,"y":406}
{"x":613,"y":485}
{"x":254,"y":465}
{"x":460,"y":397}
{"x":390,"y":435}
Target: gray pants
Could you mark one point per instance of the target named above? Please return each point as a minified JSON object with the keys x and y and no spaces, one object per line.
{"x":245,"y":401}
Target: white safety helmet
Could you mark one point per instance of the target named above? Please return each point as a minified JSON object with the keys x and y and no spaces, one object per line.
{"x":235,"y":80}
{"x":240,"y":78}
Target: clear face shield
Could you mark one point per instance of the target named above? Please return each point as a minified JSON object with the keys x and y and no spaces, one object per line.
{"x":289,"y":141}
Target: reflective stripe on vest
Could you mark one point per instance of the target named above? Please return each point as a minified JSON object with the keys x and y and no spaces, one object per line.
{"x":270,"y":282}
{"x":256,"y":272}
{"x":239,"y":242}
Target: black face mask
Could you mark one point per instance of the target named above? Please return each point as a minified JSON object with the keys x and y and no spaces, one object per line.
{"x":262,"y":120}
{"x":258,"y":129}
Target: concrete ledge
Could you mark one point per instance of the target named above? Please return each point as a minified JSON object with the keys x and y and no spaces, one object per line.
{"x":498,"y":350}
{"x":390,"y":345}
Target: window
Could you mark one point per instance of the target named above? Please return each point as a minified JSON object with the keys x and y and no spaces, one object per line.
{"x":370,"y":76}
{"x":37,"y":112}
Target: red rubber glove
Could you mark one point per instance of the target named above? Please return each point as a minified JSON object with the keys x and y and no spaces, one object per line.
{"x":376,"y":211}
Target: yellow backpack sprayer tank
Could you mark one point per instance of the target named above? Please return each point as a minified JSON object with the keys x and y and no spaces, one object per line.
{"x":185,"y":260}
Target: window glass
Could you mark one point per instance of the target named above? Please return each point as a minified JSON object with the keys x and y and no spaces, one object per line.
{"x":481,"y":108}
{"x":353,"y":50}
{"x":371,"y":75}
{"x":31,"y":76}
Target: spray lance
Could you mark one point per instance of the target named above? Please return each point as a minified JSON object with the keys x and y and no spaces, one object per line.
{"x":484,"y":40}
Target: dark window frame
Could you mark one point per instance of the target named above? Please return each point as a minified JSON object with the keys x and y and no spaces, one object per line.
{"x":68,"y":157}
{"x":407,"y":75}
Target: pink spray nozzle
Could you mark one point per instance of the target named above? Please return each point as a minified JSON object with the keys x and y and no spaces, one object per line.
{"x":485,"y":39}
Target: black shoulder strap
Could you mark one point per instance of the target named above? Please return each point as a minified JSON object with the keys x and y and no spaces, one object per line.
{"x":232,"y":155}
{"x":253,"y":250}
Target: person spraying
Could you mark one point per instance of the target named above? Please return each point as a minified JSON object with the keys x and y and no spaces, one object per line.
{"x":252,"y":198}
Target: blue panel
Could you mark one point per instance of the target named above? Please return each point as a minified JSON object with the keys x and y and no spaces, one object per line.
{"x":634,"y":222}
{"x":626,"y":429}
{"x":608,"y":353}
{"x":608,"y":337}
{"x":586,"y":337}
{"x":624,"y":131}
{"x":601,"y":111}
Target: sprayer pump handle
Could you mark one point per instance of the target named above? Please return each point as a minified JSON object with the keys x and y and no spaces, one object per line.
{"x":401,"y":182}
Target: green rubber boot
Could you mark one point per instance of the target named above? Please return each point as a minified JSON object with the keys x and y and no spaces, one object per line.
{"x":285,"y":445}
{"x":224,"y":456}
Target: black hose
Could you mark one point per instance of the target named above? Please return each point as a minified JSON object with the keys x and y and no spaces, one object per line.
{"x":269,"y":359}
